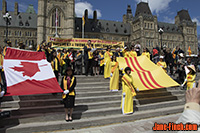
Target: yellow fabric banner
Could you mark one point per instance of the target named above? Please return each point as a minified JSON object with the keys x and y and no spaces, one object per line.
{"x":146,"y":75}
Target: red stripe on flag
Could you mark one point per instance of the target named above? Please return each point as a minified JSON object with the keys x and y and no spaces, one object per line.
{"x":133,"y":64}
{"x":17,"y":54}
{"x":142,"y":80}
{"x":31,"y":87}
{"x":145,"y":76}
{"x":128,"y":64}
{"x":149,"y":73}
{"x":139,"y":74}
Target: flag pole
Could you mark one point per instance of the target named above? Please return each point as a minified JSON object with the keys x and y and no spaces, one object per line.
{"x":56,"y":23}
{"x":83,"y":26}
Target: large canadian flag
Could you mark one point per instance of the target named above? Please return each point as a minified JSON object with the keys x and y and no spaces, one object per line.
{"x":28,"y":73}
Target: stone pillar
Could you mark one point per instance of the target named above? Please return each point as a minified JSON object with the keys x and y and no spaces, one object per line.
{"x":41,"y":21}
{"x":70,"y":18}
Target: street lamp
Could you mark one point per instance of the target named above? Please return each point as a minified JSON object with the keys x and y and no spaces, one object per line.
{"x":160,"y":31}
{"x":7,"y":17}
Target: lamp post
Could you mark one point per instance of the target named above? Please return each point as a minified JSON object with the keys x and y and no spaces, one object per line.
{"x":160,"y":31}
{"x":7,"y":17}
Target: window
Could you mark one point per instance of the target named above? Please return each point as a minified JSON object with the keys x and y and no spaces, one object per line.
{"x":151,"y":26}
{"x":27,"y":23}
{"x":56,"y":18}
{"x":21,"y":23}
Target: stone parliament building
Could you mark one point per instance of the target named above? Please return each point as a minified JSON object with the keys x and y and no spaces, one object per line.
{"x":142,"y":27}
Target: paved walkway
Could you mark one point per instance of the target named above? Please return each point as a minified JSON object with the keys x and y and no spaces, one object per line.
{"x":144,"y":125}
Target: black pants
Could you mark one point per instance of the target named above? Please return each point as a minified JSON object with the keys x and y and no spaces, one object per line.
{"x":89,"y":67}
{"x":4,"y":85}
{"x":101,"y":71}
{"x":56,"y":74}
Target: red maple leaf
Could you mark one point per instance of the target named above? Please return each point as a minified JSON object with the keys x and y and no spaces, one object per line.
{"x":28,"y":68}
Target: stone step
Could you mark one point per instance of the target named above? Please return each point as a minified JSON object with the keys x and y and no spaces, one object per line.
{"x":160,"y":92}
{"x":49,"y":113}
{"x":90,"y":99}
{"x":45,"y":126}
{"x":88,"y":106}
{"x":90,"y":84}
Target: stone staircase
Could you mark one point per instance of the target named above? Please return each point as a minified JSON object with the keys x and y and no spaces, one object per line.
{"x":95,"y":106}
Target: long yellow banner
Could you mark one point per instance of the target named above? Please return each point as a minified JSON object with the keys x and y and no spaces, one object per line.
{"x":146,"y":74}
{"x":79,"y":42}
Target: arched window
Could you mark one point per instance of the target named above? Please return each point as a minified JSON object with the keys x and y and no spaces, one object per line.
{"x":56,"y":18}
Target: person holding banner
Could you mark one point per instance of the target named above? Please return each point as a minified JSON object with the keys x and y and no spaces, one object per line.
{"x":133,"y":53}
{"x":125,"y":52}
{"x":55,"y":64}
{"x":128,"y":92}
{"x":190,"y":78}
{"x":114,"y":80}
{"x":107,"y":57}
{"x":145,"y":52}
{"x":162,"y":64}
{"x":68,"y":85}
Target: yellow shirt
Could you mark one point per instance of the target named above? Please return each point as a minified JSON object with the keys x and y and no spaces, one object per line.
{"x":102,"y":61}
{"x":147,"y":54}
{"x":132,"y":54}
{"x":90,"y":55}
{"x":163,"y":65}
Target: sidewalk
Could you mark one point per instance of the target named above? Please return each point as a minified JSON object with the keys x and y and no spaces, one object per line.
{"x":144,"y":125}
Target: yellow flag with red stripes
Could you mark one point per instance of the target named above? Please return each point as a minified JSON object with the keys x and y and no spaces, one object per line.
{"x":146,"y":74}
{"x":173,"y":53}
{"x":189,"y":51}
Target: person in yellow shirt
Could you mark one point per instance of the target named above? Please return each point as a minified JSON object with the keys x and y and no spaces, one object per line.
{"x":55,"y":65}
{"x":162,"y":64}
{"x":125,"y":52}
{"x":132,"y":53}
{"x":114,"y":80}
{"x":190,"y":78}
{"x":101,"y":59}
{"x":107,"y":58}
{"x":145,"y":52}
{"x":128,"y":92}
{"x":68,"y":85}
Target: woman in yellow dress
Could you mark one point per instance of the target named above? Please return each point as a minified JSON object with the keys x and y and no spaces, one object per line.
{"x":162,"y":64}
{"x":145,"y":52}
{"x":190,"y":78}
{"x":114,"y":80}
{"x":132,"y":53}
{"x":107,"y":59}
{"x":128,"y":92}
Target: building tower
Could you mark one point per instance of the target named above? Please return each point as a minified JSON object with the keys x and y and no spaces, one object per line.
{"x":52,"y":13}
{"x":189,"y":30}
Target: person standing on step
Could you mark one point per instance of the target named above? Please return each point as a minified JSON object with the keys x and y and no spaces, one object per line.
{"x":107,"y":58}
{"x":88,"y":56}
{"x":145,"y":52}
{"x":162,"y":63}
{"x":190,"y":78}
{"x":68,"y":85}
{"x":128,"y":92}
{"x":101,"y":59}
{"x":114,"y":80}
{"x":55,"y":64}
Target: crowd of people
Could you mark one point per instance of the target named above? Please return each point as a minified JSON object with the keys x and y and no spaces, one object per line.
{"x":69,"y":62}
